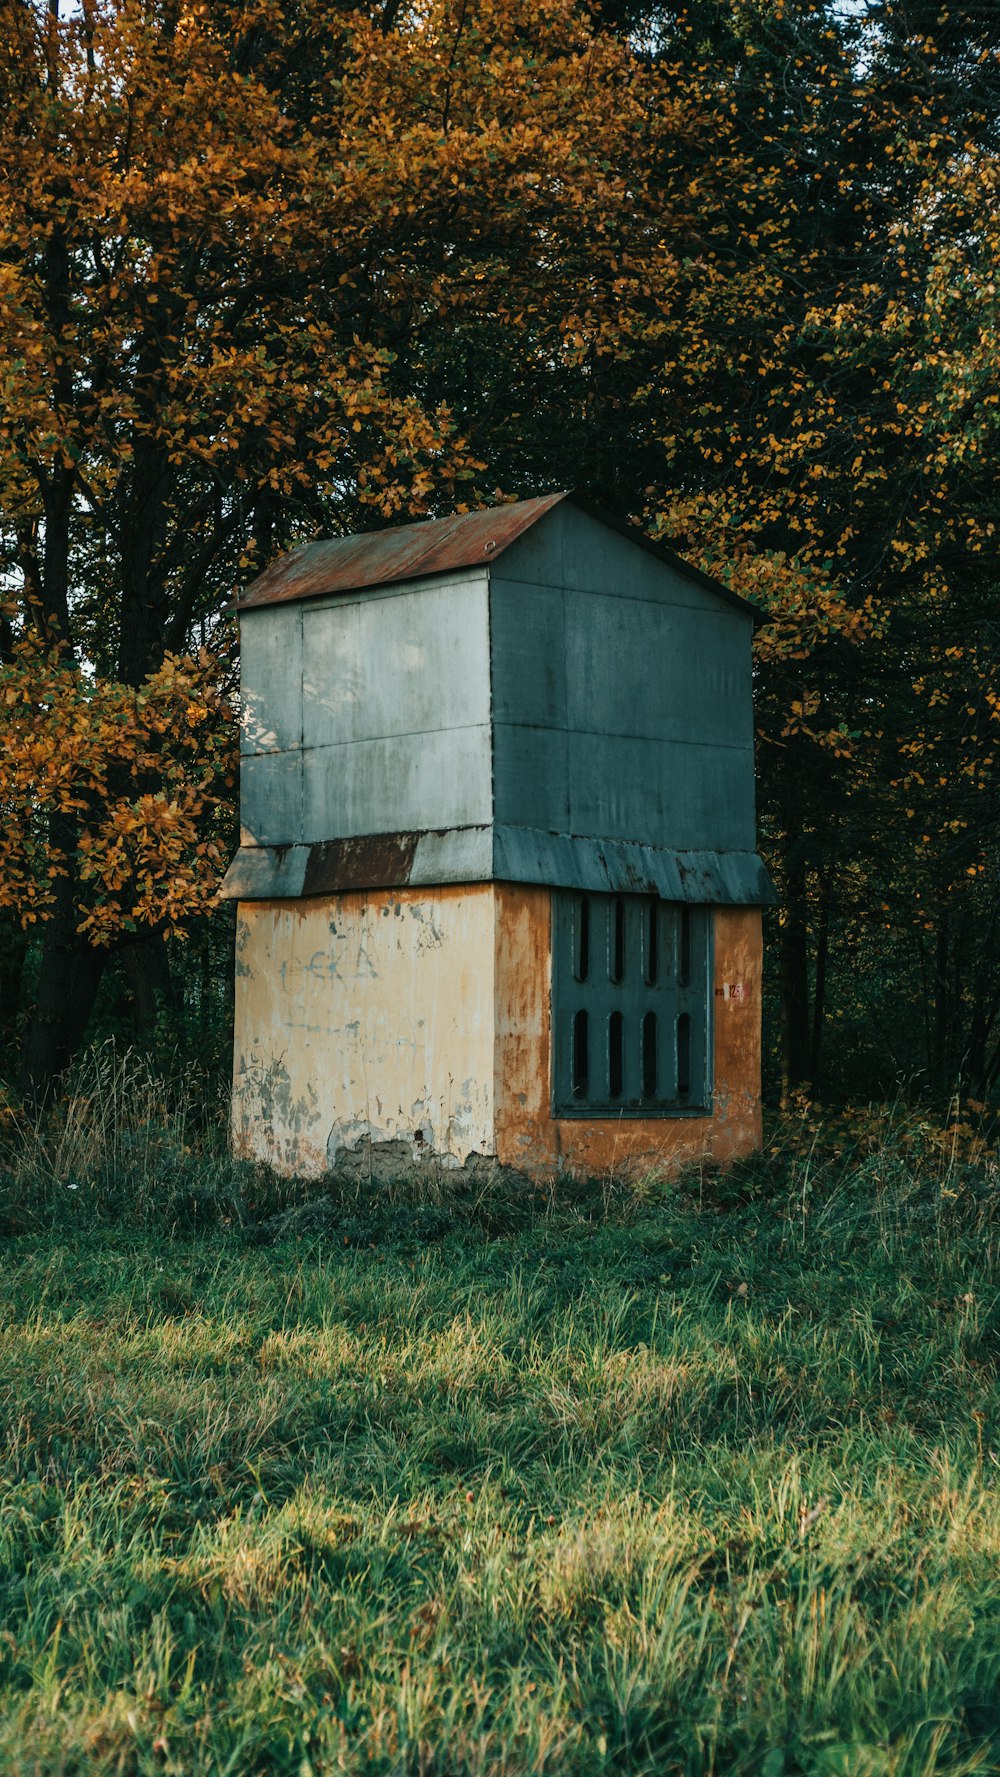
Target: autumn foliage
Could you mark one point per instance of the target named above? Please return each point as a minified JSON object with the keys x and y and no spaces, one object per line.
{"x":133,"y":778}
{"x":214,"y":222}
{"x":276,"y":268}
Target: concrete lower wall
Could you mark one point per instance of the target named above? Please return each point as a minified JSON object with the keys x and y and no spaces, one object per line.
{"x":530,"y":1138}
{"x":364,"y":1017}
{"x":420,"y":1017}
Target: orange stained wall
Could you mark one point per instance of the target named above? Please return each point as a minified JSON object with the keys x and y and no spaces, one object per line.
{"x":529,"y":1137}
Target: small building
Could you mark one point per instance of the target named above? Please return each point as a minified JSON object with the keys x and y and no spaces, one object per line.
{"x":498,"y":887}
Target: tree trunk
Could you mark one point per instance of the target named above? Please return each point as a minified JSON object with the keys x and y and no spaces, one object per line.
{"x":793,"y":973}
{"x":68,"y":979}
{"x":795,"y":1034}
{"x":142,"y":607}
{"x":13,"y":951}
{"x":146,"y":967}
{"x":985,"y":987}
{"x":942,"y":1007}
{"x":819,"y":986}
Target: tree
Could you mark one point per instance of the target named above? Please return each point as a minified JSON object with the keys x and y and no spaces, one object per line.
{"x":839,"y":368}
{"x":220,"y":229}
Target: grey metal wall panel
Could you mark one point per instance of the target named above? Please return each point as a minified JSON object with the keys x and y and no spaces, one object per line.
{"x":399,"y":783}
{"x":409,"y":664}
{"x":661,"y":672}
{"x":333,"y":676}
{"x":646,"y":673}
{"x":531,"y":777}
{"x":528,"y":642}
{"x":571,"y":548}
{"x":677,"y":794}
{"x":598,"y":662}
{"x":271,"y":681}
{"x":271,"y":797}
{"x":686,"y":797}
{"x":596,"y":559}
{"x":536,"y":557}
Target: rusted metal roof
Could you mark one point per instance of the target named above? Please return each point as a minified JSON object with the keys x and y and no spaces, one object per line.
{"x":436,"y":546}
{"x":406,"y":552}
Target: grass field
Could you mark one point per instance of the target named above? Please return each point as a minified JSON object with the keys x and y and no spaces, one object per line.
{"x":701,"y":1479}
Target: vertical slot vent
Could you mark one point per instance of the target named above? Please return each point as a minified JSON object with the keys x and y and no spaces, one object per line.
{"x":616,"y":1054}
{"x":652,"y":944}
{"x":582,"y":935}
{"x":630,"y":1008}
{"x":649,"y":1070}
{"x":684,"y":948}
{"x":684,"y":1055}
{"x":618,"y":940}
{"x":581,"y":1055}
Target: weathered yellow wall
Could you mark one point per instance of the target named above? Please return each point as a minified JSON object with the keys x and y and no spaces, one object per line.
{"x":364,"y":1015}
{"x":529,"y":1137}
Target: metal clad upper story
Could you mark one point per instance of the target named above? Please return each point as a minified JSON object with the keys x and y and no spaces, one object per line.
{"x":550,"y":675}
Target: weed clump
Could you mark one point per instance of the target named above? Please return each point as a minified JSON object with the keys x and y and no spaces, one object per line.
{"x":124,"y":1146}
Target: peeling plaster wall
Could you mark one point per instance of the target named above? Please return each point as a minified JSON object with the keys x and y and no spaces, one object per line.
{"x":365,"y":1017}
{"x":530,"y":1138}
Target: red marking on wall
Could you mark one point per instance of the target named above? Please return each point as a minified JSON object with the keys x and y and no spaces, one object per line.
{"x":733,"y":990}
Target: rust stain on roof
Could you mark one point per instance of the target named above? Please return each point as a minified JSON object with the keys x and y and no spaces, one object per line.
{"x":377,"y":558}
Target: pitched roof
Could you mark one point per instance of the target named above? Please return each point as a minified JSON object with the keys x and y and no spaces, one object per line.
{"x":434,"y":546}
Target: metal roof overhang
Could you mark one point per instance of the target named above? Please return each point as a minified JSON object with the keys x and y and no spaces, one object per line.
{"x":500,"y":854}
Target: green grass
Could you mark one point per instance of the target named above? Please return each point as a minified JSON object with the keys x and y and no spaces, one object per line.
{"x":702,"y":1480}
